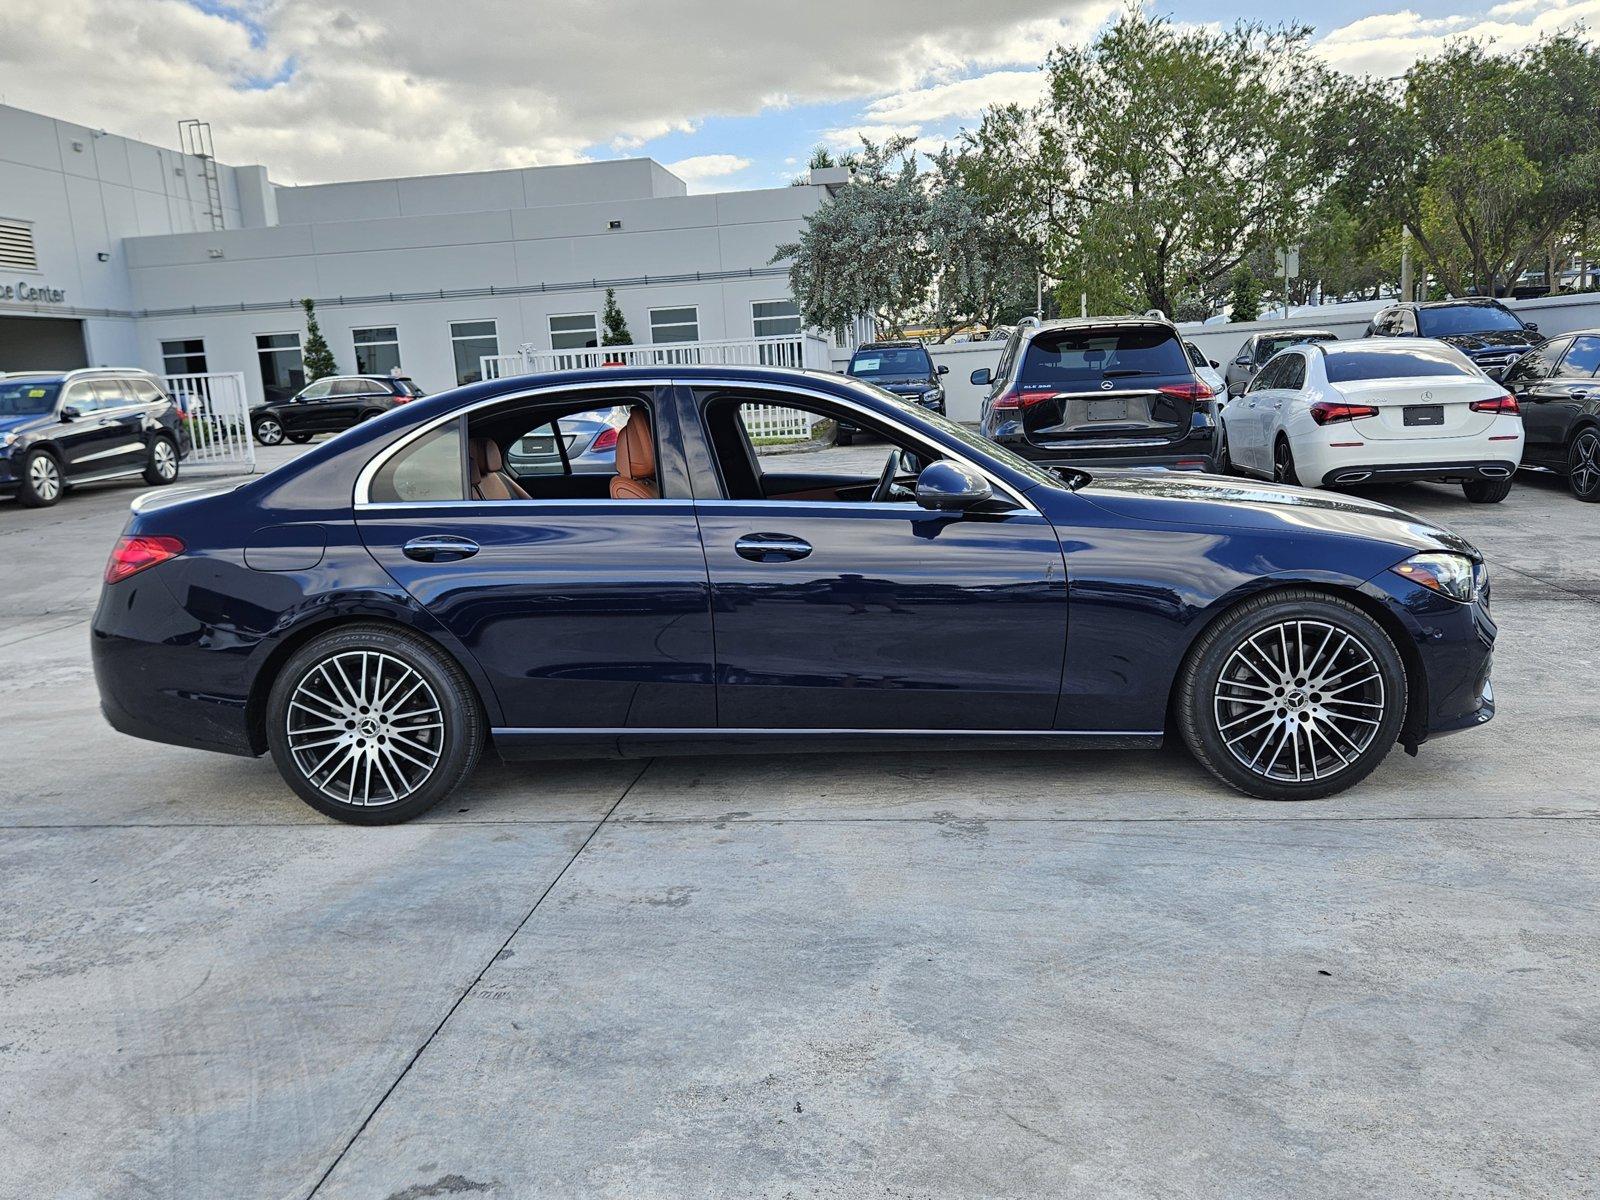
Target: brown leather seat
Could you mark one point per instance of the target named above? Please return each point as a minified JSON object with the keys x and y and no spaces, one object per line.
{"x":487,"y":470}
{"x":636,"y":461}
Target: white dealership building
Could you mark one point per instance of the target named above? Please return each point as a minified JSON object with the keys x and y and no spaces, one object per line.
{"x":118,"y":252}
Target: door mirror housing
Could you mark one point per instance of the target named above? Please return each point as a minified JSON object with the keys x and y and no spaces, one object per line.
{"x":943,"y":369}
{"x":1242,"y":361}
{"x":1530,"y":326}
{"x":982,"y":377}
{"x":1214,"y":363}
{"x":951,"y":487}
{"x":70,"y":412}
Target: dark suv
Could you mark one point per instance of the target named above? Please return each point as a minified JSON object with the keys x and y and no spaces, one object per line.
{"x":1118,"y":392}
{"x":330,"y":404}
{"x":61,"y":428}
{"x":1486,"y":331}
{"x":904,"y":368}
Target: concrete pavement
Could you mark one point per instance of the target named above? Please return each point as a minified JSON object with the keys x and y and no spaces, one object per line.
{"x":1017,"y":974}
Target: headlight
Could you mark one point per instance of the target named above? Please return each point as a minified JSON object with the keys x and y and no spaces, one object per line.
{"x":1452,"y":574}
{"x":6,"y":439}
{"x":933,"y":395}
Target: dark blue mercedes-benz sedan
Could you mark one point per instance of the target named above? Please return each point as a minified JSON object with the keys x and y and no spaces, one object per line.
{"x":377,"y":611}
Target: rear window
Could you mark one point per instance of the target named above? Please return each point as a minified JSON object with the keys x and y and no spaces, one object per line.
{"x":1067,"y":356}
{"x":1348,"y":366}
{"x":1268,"y":346}
{"x":893,"y":360}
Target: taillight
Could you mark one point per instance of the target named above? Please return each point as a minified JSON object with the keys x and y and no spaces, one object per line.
{"x":1500,"y":404}
{"x":1186,"y":391}
{"x":607,"y":439}
{"x":134,"y":554}
{"x":1325,"y":412}
{"x":1015,"y":399}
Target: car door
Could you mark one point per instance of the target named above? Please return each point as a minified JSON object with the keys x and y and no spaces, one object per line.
{"x":584,"y":612}
{"x":122,"y":412}
{"x":1277,"y":401}
{"x":1552,"y":403}
{"x":91,"y":442}
{"x":836,"y":611}
{"x":1238,"y":376}
{"x":346,"y":402}
{"x":306,"y":412}
{"x":1250,"y":451}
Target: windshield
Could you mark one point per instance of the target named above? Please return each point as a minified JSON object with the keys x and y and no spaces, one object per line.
{"x":1348,"y":366}
{"x":894,"y":360}
{"x":1065,"y":357}
{"x":1465,"y":318}
{"x":1268,"y":346}
{"x":27,"y":397}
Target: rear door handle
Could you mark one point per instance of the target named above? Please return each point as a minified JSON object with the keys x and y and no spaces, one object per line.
{"x":440,"y":548}
{"x":771,"y":547}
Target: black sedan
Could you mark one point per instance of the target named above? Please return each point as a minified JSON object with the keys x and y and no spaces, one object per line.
{"x":328,"y":405}
{"x":59,"y":429}
{"x":376,"y":613}
{"x":1558,"y":389}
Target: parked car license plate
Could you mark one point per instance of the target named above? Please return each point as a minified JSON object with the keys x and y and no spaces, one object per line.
{"x":1108,"y":410}
{"x":1424,"y":414}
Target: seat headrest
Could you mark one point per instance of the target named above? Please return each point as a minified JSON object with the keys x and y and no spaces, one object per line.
{"x":636,"y":453}
{"x":485,"y":454}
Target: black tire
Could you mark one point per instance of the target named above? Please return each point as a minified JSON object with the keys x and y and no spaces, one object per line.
{"x":268,"y":431}
{"x":1583,"y":465}
{"x":41,"y":483}
{"x":300,"y":439}
{"x":441,"y":759}
{"x":847,"y":437}
{"x":1206,"y":704}
{"x":1283,"y":463}
{"x":161,"y":462}
{"x":1224,"y":459}
{"x":1487,"y":491}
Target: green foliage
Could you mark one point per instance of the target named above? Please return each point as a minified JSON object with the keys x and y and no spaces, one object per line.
{"x":615,"y":331}
{"x":317,"y":356}
{"x":1244,"y":297}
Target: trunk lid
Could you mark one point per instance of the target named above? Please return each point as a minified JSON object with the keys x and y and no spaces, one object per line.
{"x":1423,"y":407}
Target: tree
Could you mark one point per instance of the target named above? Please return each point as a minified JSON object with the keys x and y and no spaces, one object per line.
{"x":318,"y":358}
{"x":1245,"y":296}
{"x":864,"y":251}
{"x":615,"y":332}
{"x":982,"y":268}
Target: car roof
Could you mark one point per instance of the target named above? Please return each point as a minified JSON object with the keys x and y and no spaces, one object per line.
{"x":1473,"y":301}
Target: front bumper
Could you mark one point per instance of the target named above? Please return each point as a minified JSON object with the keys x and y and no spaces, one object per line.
{"x":920,"y":401}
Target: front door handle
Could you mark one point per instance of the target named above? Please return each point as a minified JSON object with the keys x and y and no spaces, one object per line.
{"x":440,"y":548}
{"x":771,"y":547}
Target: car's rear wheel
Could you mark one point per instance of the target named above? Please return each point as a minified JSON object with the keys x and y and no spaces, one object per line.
{"x":372,"y":725}
{"x":1283,"y":463}
{"x":40,"y":485}
{"x":1583,"y":466}
{"x":162,"y":465}
{"x":269,"y":431}
{"x":1487,"y":491}
{"x":1294,"y":695}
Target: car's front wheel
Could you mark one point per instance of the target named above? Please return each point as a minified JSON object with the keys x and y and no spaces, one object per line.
{"x":40,"y":485}
{"x":269,"y":431}
{"x":372,"y":725}
{"x":1294,"y":695}
{"x":161,"y":467}
{"x":1583,"y":466}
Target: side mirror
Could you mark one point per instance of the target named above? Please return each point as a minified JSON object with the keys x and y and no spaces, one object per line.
{"x":951,"y":487}
{"x":1214,"y":363}
{"x":1530,"y":327}
{"x":1242,"y":361}
{"x":69,"y":413}
{"x":982,"y":377}
{"x":943,"y":369}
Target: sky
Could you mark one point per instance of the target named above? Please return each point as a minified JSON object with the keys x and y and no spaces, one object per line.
{"x":730,"y":94}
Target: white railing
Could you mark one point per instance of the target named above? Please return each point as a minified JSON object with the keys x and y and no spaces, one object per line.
{"x":217,"y":417}
{"x":801,"y":350}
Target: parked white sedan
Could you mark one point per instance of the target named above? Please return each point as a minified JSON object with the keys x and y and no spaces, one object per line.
{"x":1331,"y":414}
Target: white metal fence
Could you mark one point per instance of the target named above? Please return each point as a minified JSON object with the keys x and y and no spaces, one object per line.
{"x":217,"y":417}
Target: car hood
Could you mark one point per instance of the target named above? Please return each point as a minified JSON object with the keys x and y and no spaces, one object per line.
{"x":25,"y":423}
{"x":1489,"y":339}
{"x":901,"y":383}
{"x":1214,"y":501}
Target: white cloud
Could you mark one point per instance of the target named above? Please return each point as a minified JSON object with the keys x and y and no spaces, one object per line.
{"x":706,"y":168}
{"x":963,"y":98}
{"x":409,"y":86}
{"x":1387,"y":43}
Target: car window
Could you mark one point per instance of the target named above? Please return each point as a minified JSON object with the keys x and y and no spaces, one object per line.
{"x":1348,"y":366}
{"x":317,"y":391}
{"x":144,"y":390}
{"x":1294,"y":371}
{"x":1583,"y":360}
{"x":81,"y":397}
{"x":1466,"y":318}
{"x":891,"y":362}
{"x":578,"y":443}
{"x":433,"y":468}
{"x":1539,"y":362}
{"x":1002,"y":372}
{"x":1405,"y":323}
{"x":109,"y":393}
{"x":27,"y":397}
{"x":1059,"y":358}
{"x":1194,"y":354}
{"x":1266,"y":377}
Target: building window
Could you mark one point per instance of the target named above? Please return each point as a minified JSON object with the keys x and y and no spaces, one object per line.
{"x":185,"y":356}
{"x":377,"y":350}
{"x":775,"y":318}
{"x":473,"y":341}
{"x":574,"y":331}
{"x":283,"y":371}
{"x":675,"y":324}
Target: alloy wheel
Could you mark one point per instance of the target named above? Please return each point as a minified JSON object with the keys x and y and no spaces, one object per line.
{"x":365,"y":728}
{"x":269,"y":432}
{"x":1283,"y":464}
{"x":45,"y":477}
{"x":165,"y":459}
{"x":1299,"y":701}
{"x":1584,"y":464}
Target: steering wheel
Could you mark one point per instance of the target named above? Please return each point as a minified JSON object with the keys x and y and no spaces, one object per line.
{"x":886,"y":480}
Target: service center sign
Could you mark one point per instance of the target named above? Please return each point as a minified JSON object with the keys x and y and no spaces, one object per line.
{"x":24,"y":292}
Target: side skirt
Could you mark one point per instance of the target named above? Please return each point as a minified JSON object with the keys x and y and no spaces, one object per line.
{"x":520,"y":743}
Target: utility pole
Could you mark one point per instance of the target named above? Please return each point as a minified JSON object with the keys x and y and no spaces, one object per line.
{"x":1406,"y":290}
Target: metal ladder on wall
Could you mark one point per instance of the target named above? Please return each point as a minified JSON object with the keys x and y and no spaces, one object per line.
{"x":194,"y":139}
